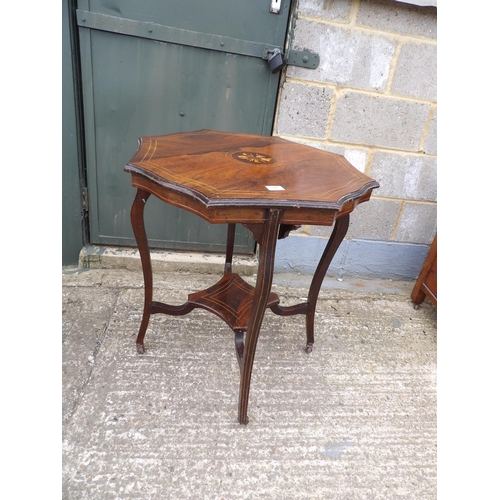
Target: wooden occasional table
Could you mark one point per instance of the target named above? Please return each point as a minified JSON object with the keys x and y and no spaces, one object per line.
{"x":268,"y":184}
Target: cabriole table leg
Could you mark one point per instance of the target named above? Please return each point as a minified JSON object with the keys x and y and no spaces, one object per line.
{"x":338,"y":233}
{"x":137,"y":220}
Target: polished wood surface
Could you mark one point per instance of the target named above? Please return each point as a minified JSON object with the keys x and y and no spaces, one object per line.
{"x":217,"y":170}
{"x":266,"y":183}
{"x":231,"y":299}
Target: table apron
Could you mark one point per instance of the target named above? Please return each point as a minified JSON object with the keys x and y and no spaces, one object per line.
{"x":297,"y":215}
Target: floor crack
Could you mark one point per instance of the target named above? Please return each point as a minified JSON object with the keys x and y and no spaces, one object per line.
{"x":91,"y":360}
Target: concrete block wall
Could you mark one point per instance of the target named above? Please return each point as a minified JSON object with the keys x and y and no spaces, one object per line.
{"x":372,"y":99}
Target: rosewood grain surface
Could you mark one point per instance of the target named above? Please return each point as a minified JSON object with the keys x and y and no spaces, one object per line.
{"x":270,"y":185}
{"x":218,"y":169}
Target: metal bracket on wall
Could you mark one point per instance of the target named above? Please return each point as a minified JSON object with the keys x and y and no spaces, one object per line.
{"x":302,"y":58}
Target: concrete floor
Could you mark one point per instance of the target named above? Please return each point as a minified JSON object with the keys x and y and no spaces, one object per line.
{"x":355,"y":419}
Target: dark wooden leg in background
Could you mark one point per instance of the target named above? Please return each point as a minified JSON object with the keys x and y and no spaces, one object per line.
{"x":137,"y":220}
{"x":262,"y":290}
{"x":231,"y":230}
{"x":339,"y":231}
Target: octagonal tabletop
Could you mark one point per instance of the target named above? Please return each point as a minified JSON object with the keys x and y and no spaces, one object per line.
{"x":206,"y":171}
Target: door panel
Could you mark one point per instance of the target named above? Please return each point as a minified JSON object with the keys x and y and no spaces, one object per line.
{"x":135,"y":86}
{"x":250,"y":20}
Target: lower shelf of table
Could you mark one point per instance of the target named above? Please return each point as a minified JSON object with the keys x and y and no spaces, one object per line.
{"x":230,"y":298}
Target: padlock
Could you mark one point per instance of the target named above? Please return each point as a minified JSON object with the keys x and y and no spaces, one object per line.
{"x":276,"y":60}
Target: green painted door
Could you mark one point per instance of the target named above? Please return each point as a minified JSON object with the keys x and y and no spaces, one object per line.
{"x":154,"y":67}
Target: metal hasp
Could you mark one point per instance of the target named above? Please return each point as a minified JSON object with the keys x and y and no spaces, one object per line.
{"x":275,"y":6}
{"x":303,"y":58}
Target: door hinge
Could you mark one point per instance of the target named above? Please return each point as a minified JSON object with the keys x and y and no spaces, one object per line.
{"x":170,"y":34}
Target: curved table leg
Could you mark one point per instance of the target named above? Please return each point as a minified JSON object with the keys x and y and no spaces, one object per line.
{"x":339,"y":231}
{"x":262,"y":290}
{"x":137,"y":220}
